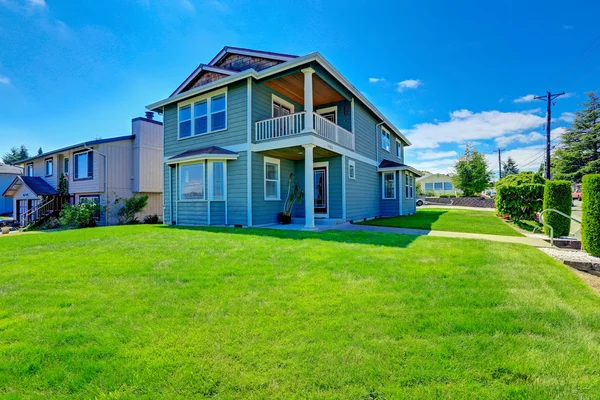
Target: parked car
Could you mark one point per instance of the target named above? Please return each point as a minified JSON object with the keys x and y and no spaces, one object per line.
{"x":576,"y":195}
{"x":420,"y":202}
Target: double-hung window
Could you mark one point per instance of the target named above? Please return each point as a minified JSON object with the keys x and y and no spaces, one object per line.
{"x":272,"y":179}
{"x":49,"y":166}
{"x":409,"y":181}
{"x":192,"y":181}
{"x":203,"y":115}
{"x":216,"y":180}
{"x":438,"y":186}
{"x":84,"y":165}
{"x":398,"y":149}
{"x":385,"y":140}
{"x":389,"y":185}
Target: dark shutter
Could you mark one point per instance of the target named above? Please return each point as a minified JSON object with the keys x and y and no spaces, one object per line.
{"x":90,"y":164}
{"x":76,"y":167}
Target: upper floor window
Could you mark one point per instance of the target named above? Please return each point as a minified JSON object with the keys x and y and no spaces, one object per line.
{"x":281,"y":107}
{"x":398,"y":149}
{"x":49,"y":166}
{"x":203,"y":115}
{"x":84,"y":165}
{"x":30,"y":169}
{"x":385,"y":140}
{"x":66,"y":166}
{"x":389,"y":185}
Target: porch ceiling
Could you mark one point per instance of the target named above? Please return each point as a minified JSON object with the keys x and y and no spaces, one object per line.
{"x":296,"y":153}
{"x":292,"y":86}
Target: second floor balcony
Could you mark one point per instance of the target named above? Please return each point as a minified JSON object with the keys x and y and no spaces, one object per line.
{"x":294,"y":124}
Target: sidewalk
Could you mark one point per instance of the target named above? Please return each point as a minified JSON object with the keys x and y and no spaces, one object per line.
{"x":535,"y":242}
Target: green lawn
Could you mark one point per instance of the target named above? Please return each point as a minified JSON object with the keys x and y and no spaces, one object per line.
{"x":180,"y":313}
{"x":452,"y":220}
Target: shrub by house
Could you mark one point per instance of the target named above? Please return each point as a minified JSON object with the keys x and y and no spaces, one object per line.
{"x":520,"y":196}
{"x":590,"y":226}
{"x":557,"y":196}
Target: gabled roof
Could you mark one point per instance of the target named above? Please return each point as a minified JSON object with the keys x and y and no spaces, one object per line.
{"x":292,"y":63}
{"x":250,"y":52}
{"x":203,"y":153}
{"x":84,"y":144}
{"x":198,"y":71}
{"x":10,"y":169}
{"x":36,"y":184}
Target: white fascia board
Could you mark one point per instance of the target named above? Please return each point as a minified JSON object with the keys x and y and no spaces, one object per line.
{"x":201,"y":157}
{"x":227,"y":50}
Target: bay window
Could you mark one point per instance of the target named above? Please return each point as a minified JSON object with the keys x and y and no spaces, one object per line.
{"x":203,"y":180}
{"x":389,"y":185}
{"x":192,"y":181}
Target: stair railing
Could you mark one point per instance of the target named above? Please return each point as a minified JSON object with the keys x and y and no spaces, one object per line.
{"x":549,"y":226}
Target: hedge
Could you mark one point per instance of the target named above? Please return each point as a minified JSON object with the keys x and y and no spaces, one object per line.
{"x":590,"y":225}
{"x":519,"y":201}
{"x":557,"y":195}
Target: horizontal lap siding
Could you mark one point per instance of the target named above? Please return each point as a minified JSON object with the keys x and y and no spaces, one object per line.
{"x":365,"y":131}
{"x":262,"y":103}
{"x":237,"y":190}
{"x":233,"y":135}
{"x":266,"y":212}
{"x":344,"y":113}
{"x":391,"y":207}
{"x":363,"y":194}
{"x":192,"y":213}
{"x":217,"y":212}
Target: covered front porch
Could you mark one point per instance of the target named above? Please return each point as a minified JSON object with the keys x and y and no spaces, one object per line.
{"x":318,"y":172}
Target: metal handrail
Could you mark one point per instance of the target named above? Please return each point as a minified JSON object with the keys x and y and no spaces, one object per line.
{"x":550,"y":226}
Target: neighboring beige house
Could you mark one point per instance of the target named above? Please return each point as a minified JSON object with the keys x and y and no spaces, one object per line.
{"x":439,"y":183}
{"x":98,"y":170}
{"x":7,"y":176}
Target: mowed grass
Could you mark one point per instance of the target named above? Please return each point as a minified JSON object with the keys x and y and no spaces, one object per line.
{"x":451,"y":220}
{"x":180,"y":313}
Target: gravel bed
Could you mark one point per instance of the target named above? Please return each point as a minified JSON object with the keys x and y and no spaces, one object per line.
{"x":571,"y":255}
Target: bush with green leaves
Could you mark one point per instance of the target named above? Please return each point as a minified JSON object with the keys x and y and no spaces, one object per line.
{"x":447,"y":196}
{"x":557,"y":195}
{"x":152,"y":219}
{"x":590,"y":225}
{"x":130,"y":207}
{"x":521,"y":178}
{"x":519,"y":201}
{"x":82,"y":215}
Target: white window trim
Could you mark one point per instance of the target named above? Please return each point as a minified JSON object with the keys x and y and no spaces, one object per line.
{"x":272,"y":161}
{"x":383,"y":185}
{"x":179,"y":189}
{"x":277,"y":99}
{"x":409,"y":186}
{"x":389,"y":137}
{"x":75,"y":160}
{"x":398,"y":147}
{"x":326,"y":110}
{"x":352,"y":163}
{"x":190,"y":102}
{"x":210,"y":187}
{"x":46,"y":162}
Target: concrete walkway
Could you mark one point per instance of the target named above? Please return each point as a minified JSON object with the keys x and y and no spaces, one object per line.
{"x":422,"y":232}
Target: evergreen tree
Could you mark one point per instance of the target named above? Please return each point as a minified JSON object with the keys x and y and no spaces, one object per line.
{"x":471,"y":172}
{"x":15,"y":154}
{"x":509,"y":167}
{"x":579,"y":151}
{"x":40,"y":151}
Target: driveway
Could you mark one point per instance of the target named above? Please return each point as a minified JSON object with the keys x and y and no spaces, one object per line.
{"x":577,"y":214}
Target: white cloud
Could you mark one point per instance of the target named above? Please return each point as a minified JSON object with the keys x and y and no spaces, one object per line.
{"x":527,"y":158}
{"x":525,"y":99}
{"x":37,"y":3}
{"x":531,"y":137}
{"x":4,"y":80}
{"x":465,"y":126}
{"x":443,"y":166}
{"x":501,"y":100}
{"x":557,"y":132}
{"x":376,"y":80}
{"x":568,"y":94}
{"x":567,"y":117}
{"x":435,"y":155}
{"x":409,"y":84}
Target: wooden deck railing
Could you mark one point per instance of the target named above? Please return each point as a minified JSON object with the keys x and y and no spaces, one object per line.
{"x":50,"y":206}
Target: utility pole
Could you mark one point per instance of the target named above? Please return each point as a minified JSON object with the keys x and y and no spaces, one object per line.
{"x":499,"y":151}
{"x":549,"y":97}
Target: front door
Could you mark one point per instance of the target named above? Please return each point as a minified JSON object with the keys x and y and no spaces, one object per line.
{"x":321,"y":191}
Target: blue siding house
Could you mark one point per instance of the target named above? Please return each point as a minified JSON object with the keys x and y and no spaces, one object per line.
{"x":237,"y":127}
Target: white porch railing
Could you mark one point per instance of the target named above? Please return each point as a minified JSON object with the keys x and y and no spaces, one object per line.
{"x":277,"y":127}
{"x":333,"y":132}
{"x":294,"y":124}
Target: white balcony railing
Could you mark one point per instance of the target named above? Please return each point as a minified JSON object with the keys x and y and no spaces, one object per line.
{"x":277,"y":127}
{"x":293,"y":124}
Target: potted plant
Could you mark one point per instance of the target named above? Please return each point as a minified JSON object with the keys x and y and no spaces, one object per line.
{"x":294,"y":195}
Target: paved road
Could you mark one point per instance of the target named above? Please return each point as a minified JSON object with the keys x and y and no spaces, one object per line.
{"x":576,"y":213}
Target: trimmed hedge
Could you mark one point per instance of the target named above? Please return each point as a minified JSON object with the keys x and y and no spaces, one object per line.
{"x":519,"y":201}
{"x":557,"y":195}
{"x":447,"y":196}
{"x":590,"y":225}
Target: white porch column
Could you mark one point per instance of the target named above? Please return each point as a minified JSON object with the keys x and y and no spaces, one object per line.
{"x":309,"y":188}
{"x":308,"y":98}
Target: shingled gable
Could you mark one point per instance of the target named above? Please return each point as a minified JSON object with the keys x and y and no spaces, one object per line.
{"x":229,"y":61}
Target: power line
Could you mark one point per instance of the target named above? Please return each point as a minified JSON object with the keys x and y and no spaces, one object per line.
{"x":570,"y":65}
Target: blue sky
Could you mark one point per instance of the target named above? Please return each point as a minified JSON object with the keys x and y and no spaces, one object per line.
{"x":444,"y":72}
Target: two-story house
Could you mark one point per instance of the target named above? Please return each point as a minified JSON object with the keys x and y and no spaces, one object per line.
{"x":100,"y":170}
{"x":237,"y":127}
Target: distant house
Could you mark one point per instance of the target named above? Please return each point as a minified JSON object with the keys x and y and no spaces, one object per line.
{"x":7,"y":176}
{"x":237,"y":127}
{"x":439,"y":183}
{"x":97,"y":170}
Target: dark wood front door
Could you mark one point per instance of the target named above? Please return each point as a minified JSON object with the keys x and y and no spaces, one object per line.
{"x":321,"y":191}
